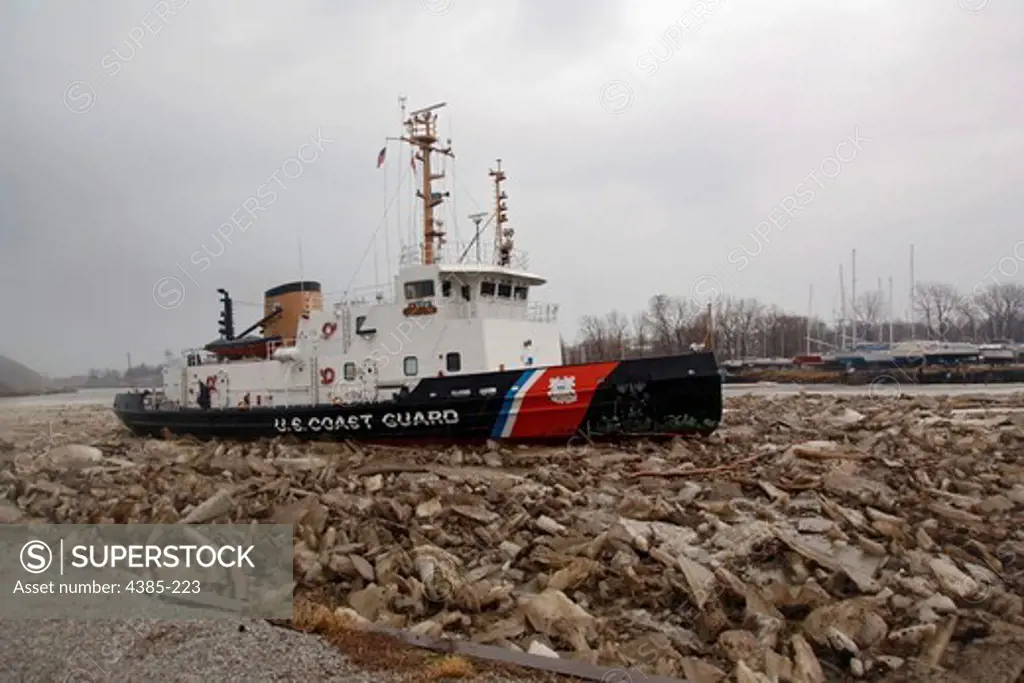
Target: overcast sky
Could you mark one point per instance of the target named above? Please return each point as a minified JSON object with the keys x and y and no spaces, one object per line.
{"x":647,"y":144}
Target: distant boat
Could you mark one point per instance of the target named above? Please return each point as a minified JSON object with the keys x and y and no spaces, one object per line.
{"x":1000,"y":352}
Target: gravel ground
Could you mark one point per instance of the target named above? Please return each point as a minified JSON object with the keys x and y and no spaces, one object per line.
{"x":193,"y":652}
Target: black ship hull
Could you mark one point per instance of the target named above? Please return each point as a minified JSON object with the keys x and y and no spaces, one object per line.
{"x":653,"y":397}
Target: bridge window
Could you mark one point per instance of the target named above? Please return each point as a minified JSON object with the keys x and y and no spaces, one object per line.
{"x":446,"y":288}
{"x":505,"y":290}
{"x":360,"y":326}
{"x":453,"y":361}
{"x":521,"y":293}
{"x":487,"y":288}
{"x":411,"y":366}
{"x":350,"y":372}
{"x":420,"y":289}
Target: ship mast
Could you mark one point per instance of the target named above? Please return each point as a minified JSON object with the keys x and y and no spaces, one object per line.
{"x":502,"y":235}
{"x":422,"y":133}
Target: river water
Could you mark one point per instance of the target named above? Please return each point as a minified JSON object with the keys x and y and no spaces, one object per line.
{"x":106,"y":396}
{"x":82,"y":397}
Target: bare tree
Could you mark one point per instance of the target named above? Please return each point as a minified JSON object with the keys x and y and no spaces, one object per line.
{"x":689,"y":323}
{"x":937,"y":302}
{"x":671,"y":321}
{"x":659,"y":317}
{"x":725,"y":328}
{"x":1003,"y":305}
{"x":616,"y":328}
{"x":641,"y":334}
{"x":593,"y":344}
{"x":870,"y":310}
{"x":784,"y":333}
{"x":748,"y":313}
{"x":747,"y":327}
{"x":966,"y":320}
{"x":737,"y":322}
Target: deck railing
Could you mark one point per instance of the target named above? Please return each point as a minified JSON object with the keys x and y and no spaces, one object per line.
{"x":412,"y":255}
{"x":533,"y":311}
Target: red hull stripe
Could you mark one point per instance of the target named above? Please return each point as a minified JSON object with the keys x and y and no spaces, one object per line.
{"x":513,"y":401}
{"x":555,"y":404}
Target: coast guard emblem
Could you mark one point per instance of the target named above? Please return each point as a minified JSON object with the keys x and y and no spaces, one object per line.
{"x":562,"y":390}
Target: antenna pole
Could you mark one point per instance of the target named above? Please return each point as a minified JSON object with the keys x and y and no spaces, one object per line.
{"x":476,"y":218}
{"x":502,"y":235}
{"x":428,"y":208}
{"x":422,"y":134}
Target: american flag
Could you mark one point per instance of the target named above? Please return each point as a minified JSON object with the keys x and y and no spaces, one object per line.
{"x":380,"y":157}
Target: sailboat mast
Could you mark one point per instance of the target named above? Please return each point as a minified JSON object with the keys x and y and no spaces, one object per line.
{"x":842,"y":300}
{"x":422,"y":134}
{"x":892,"y":313}
{"x":810,"y":309}
{"x":853,"y":301}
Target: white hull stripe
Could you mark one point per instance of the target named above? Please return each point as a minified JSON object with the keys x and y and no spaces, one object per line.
{"x":513,"y":412}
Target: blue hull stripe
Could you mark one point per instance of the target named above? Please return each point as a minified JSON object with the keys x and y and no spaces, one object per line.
{"x":510,"y":397}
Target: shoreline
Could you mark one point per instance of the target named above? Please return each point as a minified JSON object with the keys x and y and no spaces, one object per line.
{"x":894,"y":374}
{"x":29,"y":394}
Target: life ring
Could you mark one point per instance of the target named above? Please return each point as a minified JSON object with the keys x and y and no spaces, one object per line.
{"x":329,"y":329}
{"x":327,"y":376}
{"x":211,"y":382}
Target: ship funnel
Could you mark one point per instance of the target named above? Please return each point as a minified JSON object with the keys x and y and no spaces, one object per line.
{"x":294,"y":299}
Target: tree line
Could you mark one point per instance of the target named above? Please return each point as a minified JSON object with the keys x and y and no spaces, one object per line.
{"x":115,"y":378}
{"x":746,"y":327}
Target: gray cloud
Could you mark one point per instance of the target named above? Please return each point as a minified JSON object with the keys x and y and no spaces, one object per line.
{"x":96,"y":207}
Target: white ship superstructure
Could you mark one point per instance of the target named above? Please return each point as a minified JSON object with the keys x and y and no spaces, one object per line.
{"x":442,"y":315}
